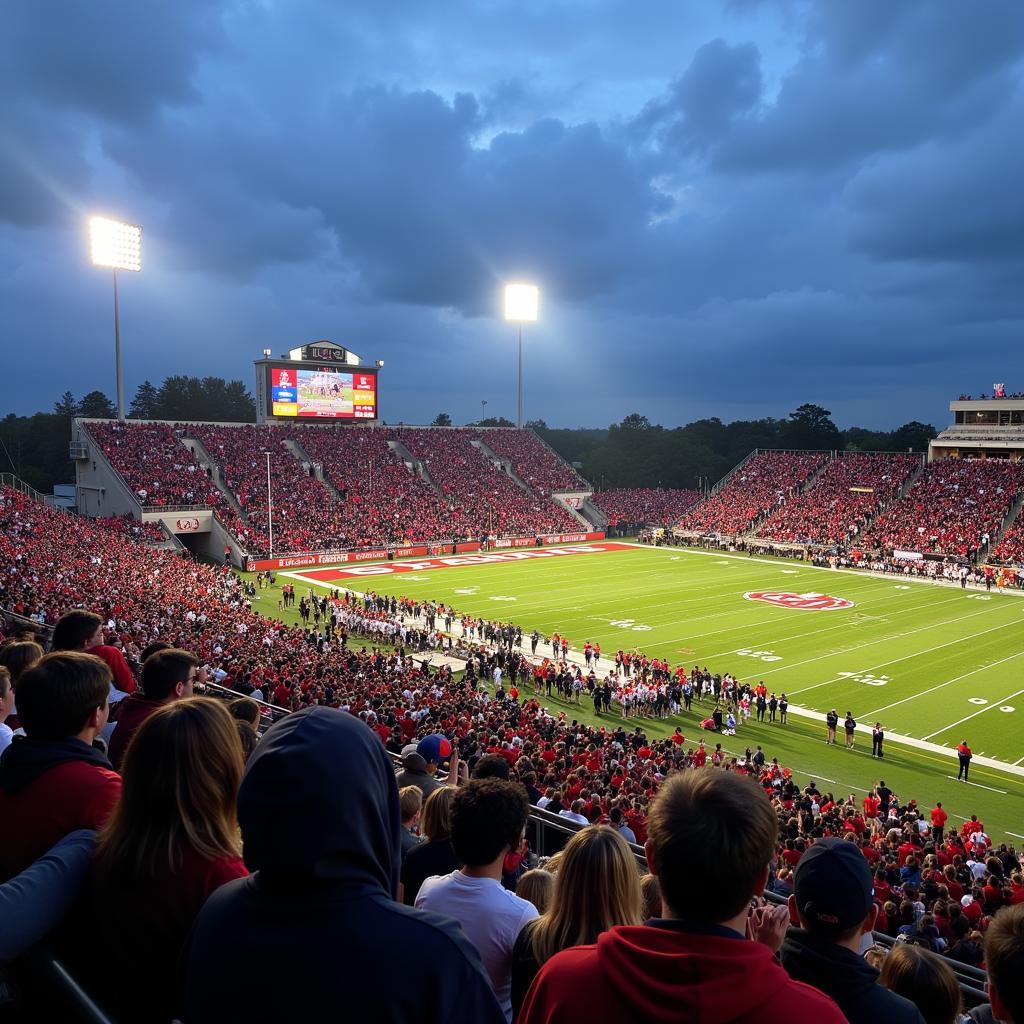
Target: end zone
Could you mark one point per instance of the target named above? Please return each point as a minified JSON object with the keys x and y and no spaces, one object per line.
{"x":455,"y":561}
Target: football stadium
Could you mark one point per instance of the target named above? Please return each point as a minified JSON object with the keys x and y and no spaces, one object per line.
{"x":316,"y":706}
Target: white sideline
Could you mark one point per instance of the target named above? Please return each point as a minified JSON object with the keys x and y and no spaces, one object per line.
{"x":607,"y":665}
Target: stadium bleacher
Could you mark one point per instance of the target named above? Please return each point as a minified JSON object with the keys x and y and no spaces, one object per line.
{"x":645,"y":506}
{"x":843,"y":497}
{"x":753,"y":490}
{"x":51,"y":561}
{"x":952,"y":508}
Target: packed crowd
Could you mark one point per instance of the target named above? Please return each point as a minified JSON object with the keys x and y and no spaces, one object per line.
{"x":175,"y":889}
{"x":383,"y":502}
{"x":1010,"y":549}
{"x":759,"y":486}
{"x":131,"y":527}
{"x":533,"y":461}
{"x":155,"y":465}
{"x":955,"y":507}
{"x":647,"y":506}
{"x":306,"y":515}
{"x":843,"y":497}
{"x":480,"y":493}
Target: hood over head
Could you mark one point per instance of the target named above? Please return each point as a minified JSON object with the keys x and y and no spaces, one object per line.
{"x":25,"y":759}
{"x":319,"y":802}
{"x":669,"y":974}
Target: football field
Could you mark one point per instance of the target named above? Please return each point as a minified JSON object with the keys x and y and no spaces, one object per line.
{"x":931,"y":663}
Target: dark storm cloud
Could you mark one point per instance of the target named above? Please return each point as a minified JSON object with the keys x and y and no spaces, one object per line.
{"x":765,"y":202}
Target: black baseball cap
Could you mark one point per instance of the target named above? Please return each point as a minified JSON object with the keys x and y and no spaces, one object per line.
{"x":833,"y":885}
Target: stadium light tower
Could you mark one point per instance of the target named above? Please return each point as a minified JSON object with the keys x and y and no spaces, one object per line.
{"x":119,"y":246}
{"x":270,"y":507}
{"x":521,"y":301}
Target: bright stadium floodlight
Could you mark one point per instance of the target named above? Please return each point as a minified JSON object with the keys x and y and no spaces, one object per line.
{"x":521,"y":302}
{"x":118,"y":246}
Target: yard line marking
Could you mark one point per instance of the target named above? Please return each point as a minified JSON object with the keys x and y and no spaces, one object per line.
{"x":975,"y":714}
{"x":1016,"y":835}
{"x":895,"y":661}
{"x":939,"y":686}
{"x":821,"y":568}
{"x":991,"y":789}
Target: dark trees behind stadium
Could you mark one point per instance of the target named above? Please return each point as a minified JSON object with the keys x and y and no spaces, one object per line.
{"x":633,"y":453}
{"x":637,"y":453}
{"x":35,"y":448}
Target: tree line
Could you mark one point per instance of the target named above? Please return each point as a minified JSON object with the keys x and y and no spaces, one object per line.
{"x":35,"y":447}
{"x":638,"y":453}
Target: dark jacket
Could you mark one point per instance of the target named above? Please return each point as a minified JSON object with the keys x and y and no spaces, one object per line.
{"x":848,"y":978}
{"x":134,"y":710}
{"x":318,"y":808}
{"x":415,"y":773}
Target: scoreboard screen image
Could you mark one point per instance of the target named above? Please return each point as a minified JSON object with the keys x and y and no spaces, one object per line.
{"x":326,"y":392}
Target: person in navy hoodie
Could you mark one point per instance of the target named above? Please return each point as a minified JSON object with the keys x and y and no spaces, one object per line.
{"x":321,"y":832}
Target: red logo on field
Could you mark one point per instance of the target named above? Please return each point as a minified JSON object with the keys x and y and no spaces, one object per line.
{"x":806,"y":602}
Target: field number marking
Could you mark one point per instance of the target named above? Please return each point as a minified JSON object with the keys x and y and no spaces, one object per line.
{"x":977,"y":700}
{"x":760,"y":655}
{"x":632,"y":624}
{"x":868,"y":678}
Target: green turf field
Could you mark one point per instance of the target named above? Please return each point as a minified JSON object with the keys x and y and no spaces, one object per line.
{"x":929,"y":662}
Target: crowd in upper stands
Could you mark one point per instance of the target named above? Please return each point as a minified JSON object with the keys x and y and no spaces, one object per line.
{"x":533,"y":461}
{"x":1011,"y":548}
{"x":481,"y":493}
{"x":761,"y":484}
{"x":153,"y":462}
{"x":955,"y":507}
{"x":843,"y":496}
{"x":382,"y":501}
{"x":647,"y":506}
{"x":321,"y":822}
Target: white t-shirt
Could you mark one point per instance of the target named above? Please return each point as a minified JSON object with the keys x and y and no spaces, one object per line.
{"x":490,"y":915}
{"x":573,"y":816}
{"x":6,"y":735}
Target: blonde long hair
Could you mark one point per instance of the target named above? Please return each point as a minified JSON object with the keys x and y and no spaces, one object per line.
{"x":182,"y":770}
{"x":597,"y":887}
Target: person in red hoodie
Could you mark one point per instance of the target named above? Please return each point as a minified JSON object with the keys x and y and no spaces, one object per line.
{"x":699,"y":961}
{"x":81,"y":630}
{"x":166,"y":676}
{"x":54,"y":779}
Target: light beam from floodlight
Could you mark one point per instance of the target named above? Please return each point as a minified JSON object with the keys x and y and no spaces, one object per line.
{"x":116,"y":245}
{"x":521,"y":302}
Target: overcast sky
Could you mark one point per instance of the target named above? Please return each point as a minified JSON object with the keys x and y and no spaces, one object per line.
{"x":731,"y":208}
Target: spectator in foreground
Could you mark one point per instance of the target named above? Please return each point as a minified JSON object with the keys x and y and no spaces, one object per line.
{"x":325,"y":859}
{"x":596,"y":888}
{"x":1004,"y":960}
{"x":166,"y":676}
{"x":488,"y":822}
{"x":81,"y":630}
{"x":6,"y":708}
{"x":421,"y":761}
{"x":711,"y":839}
{"x":926,"y":980}
{"x":436,"y":856}
{"x":537,"y":887}
{"x":171,"y":841}
{"x":410,"y":802}
{"x":833,"y":903}
{"x":54,"y":779}
{"x":246,"y":713}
